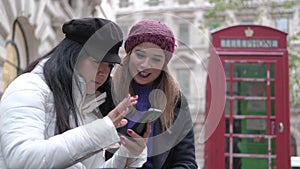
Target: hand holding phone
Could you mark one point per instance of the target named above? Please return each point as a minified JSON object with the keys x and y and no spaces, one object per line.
{"x":141,"y":125}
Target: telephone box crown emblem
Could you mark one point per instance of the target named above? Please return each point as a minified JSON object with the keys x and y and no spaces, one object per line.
{"x":249,"y":32}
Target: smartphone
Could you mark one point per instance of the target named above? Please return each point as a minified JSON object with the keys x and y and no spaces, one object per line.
{"x":141,"y":125}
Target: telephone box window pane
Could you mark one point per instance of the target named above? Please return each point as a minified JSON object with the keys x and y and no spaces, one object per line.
{"x":255,"y":89}
{"x":259,"y":147}
{"x":272,"y":108}
{"x":251,"y":89}
{"x":256,"y":163}
{"x":272,"y":71}
{"x":236,"y":148}
{"x":273,"y":143}
{"x":250,"y":70}
{"x":254,"y":127}
{"x":249,"y":107}
{"x":253,"y":107}
{"x":258,"y":89}
{"x":253,"y":146}
{"x":237,"y":126}
{"x":227,"y":125}
{"x":227,"y":107}
{"x":227,"y":70}
{"x":272,"y":88}
{"x":235,"y":107}
{"x":250,"y":126}
{"x":228,"y":89}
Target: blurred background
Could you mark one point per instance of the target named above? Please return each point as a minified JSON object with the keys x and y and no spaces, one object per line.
{"x":31,"y":28}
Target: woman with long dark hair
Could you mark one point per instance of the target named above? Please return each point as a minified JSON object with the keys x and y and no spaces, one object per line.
{"x":49,"y":116}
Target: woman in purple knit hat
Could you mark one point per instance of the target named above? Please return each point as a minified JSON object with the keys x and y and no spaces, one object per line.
{"x":144,"y":72}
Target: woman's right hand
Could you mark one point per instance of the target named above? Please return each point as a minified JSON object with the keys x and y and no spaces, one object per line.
{"x":139,"y":143}
{"x":121,"y":110}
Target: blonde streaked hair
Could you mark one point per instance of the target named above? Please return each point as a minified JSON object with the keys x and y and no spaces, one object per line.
{"x":165,"y":99}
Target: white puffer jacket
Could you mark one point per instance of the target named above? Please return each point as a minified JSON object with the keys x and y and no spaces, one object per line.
{"x":27,"y":125}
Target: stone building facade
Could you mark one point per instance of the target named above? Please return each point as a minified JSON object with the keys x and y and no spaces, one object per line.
{"x":30,"y":28}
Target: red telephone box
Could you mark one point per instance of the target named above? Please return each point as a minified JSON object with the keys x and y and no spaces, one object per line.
{"x":251,"y":131}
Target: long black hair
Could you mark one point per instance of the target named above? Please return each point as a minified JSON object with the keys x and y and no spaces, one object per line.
{"x":58,"y":72}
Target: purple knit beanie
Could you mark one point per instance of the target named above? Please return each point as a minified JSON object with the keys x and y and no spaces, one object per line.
{"x":151,"y":31}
